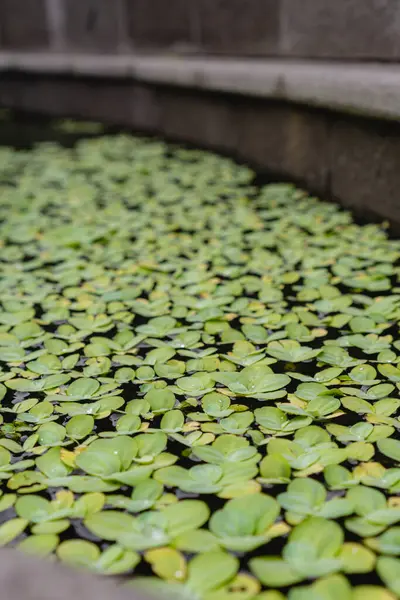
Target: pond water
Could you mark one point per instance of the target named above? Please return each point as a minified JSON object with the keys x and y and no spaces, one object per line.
{"x":199,"y":373}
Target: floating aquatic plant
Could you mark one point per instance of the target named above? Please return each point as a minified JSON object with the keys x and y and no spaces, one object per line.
{"x":199,"y":378}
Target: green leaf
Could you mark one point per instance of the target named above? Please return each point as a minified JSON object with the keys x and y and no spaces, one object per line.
{"x":366,"y":500}
{"x":275,"y":469}
{"x":270,"y":418}
{"x":201,"y":479}
{"x":371,"y":592}
{"x":364,"y":374}
{"x":291,"y":351}
{"x":160,"y":400}
{"x":356,"y":558}
{"x":242,"y":587}
{"x":51,"y":465}
{"x":98,"y":463}
{"x":390,"y":372}
{"x":172,"y":421}
{"x":311,"y":391}
{"x":167,"y":563}
{"x":387,"y":543}
{"x":11,"y":529}
{"x":211,"y":570}
{"x":33,"y":508}
{"x":274,"y":572}
{"x":243,"y":523}
{"x":110,"y":524}
{"x":216,"y":405}
{"x":39,"y":545}
{"x":326,"y":588}
{"x":78,"y":553}
{"x":51,"y":434}
{"x":80,"y":426}
{"x":82,"y":388}
{"x":199,"y":540}
{"x":389,"y":571}
{"x":185,"y":515}
{"x":390,"y":447}
{"x":357,"y":405}
{"x":195,"y":385}
{"x":325,"y":536}
{"x":252,"y":381}
{"x":126,"y":425}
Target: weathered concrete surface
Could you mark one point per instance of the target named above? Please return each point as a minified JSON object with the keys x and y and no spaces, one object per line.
{"x":288,"y":140}
{"x":23,"y":24}
{"x":161,"y":24}
{"x":205,"y":120}
{"x":341,"y":29}
{"x":93,"y":24}
{"x":335,"y":29}
{"x":236,"y":28}
{"x":56,"y":20}
{"x":365,"y":166}
{"x":25,"y":578}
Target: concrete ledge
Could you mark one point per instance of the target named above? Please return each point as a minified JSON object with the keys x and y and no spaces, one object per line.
{"x":371,"y":90}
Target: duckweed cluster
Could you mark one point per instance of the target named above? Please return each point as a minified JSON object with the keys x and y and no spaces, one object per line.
{"x":200,"y":377}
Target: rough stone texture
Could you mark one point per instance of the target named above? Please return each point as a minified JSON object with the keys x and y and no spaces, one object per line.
{"x":145,"y":112}
{"x":85,"y":98}
{"x":56,"y":23}
{"x":93,"y":24}
{"x":365,"y":167}
{"x":338,"y":29}
{"x":306,"y":147}
{"x":23,"y":24}
{"x":235,"y":27}
{"x":345,"y":29}
{"x":208,"y":121}
{"x":286,"y":140}
{"x":25,"y":578}
{"x":261,"y":133}
{"x":111,"y":103}
{"x":160,"y":24}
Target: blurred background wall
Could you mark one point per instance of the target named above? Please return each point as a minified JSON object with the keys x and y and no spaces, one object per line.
{"x":320,"y":29}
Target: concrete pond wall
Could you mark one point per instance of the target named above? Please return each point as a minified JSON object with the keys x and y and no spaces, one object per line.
{"x":307,"y":90}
